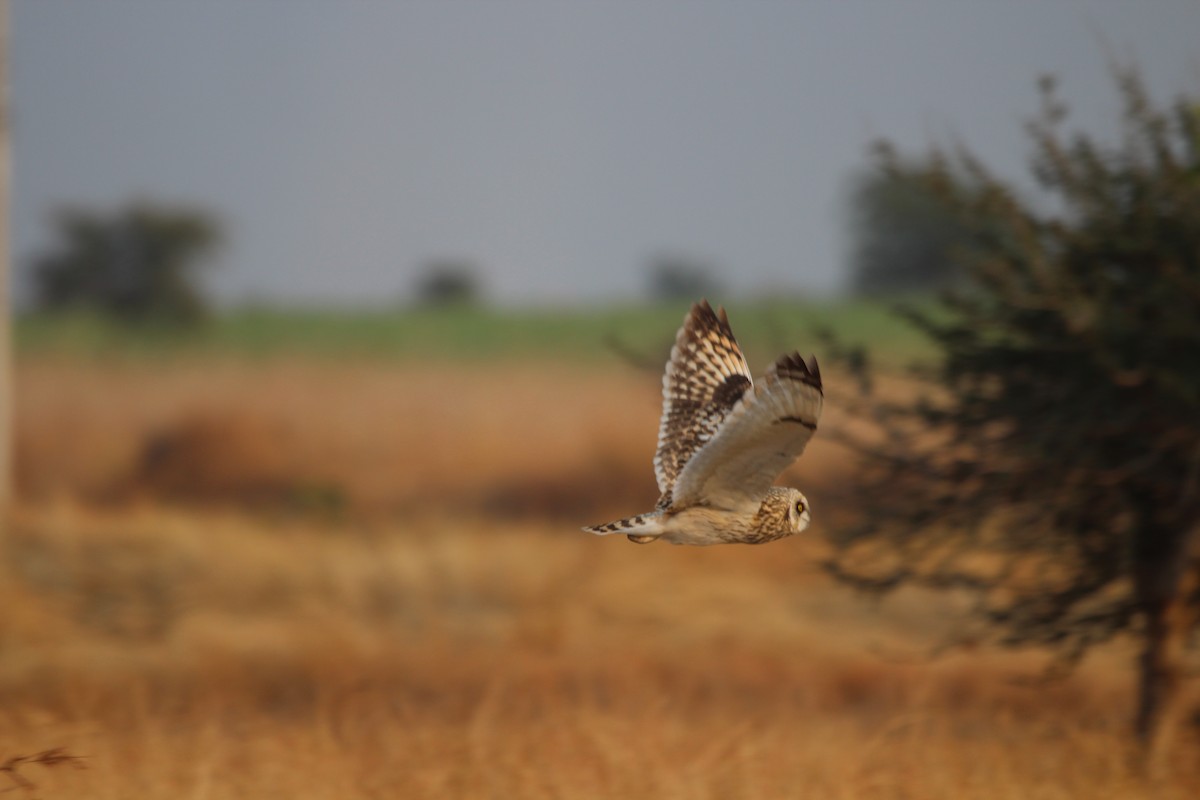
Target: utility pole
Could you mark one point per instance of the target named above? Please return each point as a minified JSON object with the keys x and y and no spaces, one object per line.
{"x":7,"y":395}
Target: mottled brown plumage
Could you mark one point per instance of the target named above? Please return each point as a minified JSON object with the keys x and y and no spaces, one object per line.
{"x":723,"y":440}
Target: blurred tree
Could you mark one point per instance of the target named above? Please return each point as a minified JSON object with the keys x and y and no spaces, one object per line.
{"x":137,"y":263}
{"x":1058,"y":427}
{"x":449,"y":282}
{"x":675,"y":277}
{"x":904,"y":234}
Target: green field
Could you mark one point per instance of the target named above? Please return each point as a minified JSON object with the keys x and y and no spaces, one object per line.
{"x":595,"y":334}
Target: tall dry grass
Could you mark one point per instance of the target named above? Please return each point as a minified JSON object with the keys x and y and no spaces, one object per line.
{"x":423,"y":643}
{"x":214,"y":655}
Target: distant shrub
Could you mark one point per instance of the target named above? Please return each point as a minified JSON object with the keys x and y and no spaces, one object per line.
{"x":449,"y":283}
{"x":677,"y":278}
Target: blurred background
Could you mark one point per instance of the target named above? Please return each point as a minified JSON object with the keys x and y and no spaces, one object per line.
{"x":333,"y":322}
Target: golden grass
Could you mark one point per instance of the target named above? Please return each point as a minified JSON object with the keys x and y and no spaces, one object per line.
{"x":416,"y":646}
{"x":215,"y":655}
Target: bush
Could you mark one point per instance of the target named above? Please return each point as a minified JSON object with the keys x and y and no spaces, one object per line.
{"x":1057,"y":429}
{"x":137,"y":263}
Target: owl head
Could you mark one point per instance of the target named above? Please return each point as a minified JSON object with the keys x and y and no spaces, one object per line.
{"x":785,"y":511}
{"x":797,"y":511}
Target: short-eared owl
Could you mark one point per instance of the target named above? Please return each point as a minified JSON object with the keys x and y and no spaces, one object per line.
{"x":723,"y":441}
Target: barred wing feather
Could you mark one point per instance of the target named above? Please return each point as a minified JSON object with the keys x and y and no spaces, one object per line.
{"x":706,"y":377}
{"x":763,"y":432}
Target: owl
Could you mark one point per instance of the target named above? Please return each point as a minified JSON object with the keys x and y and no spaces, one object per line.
{"x":723,"y":441}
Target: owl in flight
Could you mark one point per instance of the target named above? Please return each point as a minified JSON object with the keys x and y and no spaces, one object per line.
{"x":723,"y":440}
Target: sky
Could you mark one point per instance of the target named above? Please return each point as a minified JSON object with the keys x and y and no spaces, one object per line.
{"x":560,"y":147}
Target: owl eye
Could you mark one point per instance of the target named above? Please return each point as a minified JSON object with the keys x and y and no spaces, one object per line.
{"x":799,"y":506}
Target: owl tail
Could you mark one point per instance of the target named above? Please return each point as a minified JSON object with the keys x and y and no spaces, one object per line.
{"x":641,"y":529}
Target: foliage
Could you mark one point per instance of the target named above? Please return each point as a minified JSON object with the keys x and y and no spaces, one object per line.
{"x":1058,"y":429}
{"x":135,"y":264}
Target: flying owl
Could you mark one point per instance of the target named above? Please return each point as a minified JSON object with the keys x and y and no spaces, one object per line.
{"x":723,"y":441}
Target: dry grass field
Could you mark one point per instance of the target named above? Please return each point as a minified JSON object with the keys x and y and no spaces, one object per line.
{"x":298,"y":579}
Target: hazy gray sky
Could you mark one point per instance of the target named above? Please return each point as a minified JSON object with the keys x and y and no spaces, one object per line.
{"x":559,"y":145}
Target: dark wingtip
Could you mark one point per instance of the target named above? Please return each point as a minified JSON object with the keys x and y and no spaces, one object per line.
{"x":794,"y":366}
{"x":700,"y":313}
{"x":703,"y":316}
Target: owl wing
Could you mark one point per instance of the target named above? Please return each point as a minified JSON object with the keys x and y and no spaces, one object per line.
{"x":706,"y":377}
{"x":765,"y":430}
